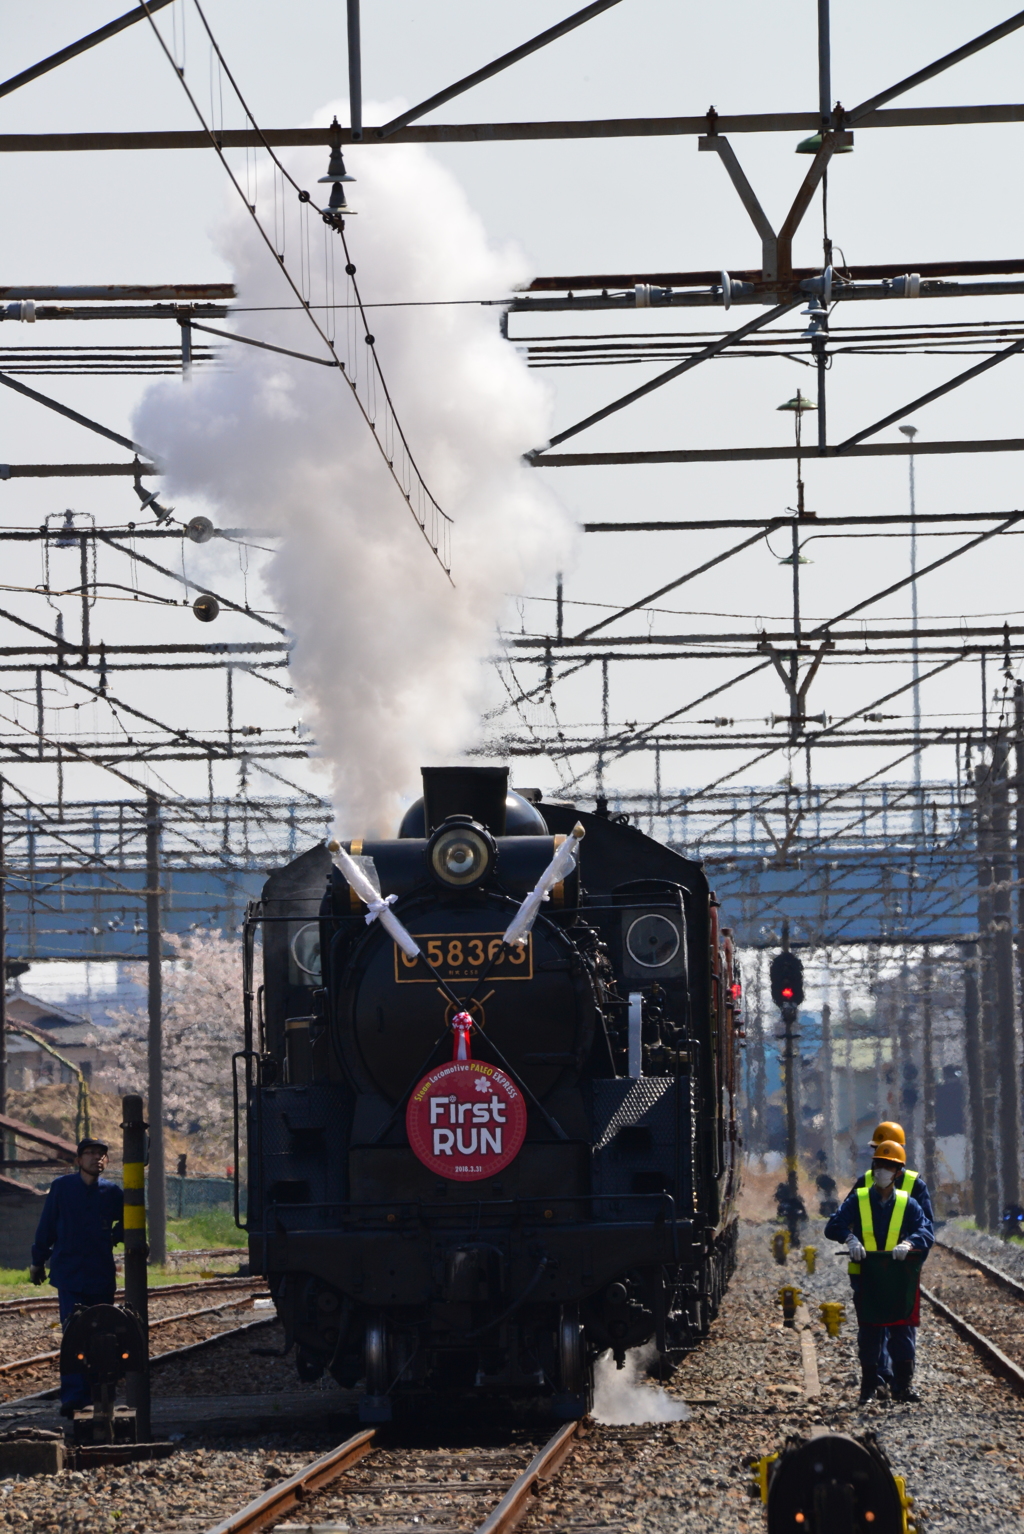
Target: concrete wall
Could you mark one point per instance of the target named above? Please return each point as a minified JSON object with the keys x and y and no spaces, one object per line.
{"x":20,"y":1208}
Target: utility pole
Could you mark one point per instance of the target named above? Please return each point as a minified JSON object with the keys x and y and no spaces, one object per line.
{"x":975,"y":1084}
{"x":988,"y":1215}
{"x":3,"y":961}
{"x":1018,"y":720}
{"x":827,"y":1112}
{"x":1005,"y":1041}
{"x":849,"y":1080}
{"x":927,"y":1070}
{"x":154,"y":955}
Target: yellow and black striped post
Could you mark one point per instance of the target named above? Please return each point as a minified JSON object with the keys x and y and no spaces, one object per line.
{"x":136,"y":1272}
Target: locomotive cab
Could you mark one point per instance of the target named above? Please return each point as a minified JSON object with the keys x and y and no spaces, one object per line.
{"x":476,"y":1164}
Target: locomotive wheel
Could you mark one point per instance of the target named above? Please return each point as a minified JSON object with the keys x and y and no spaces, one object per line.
{"x":376,"y":1357}
{"x":375,"y":1405}
{"x":575,"y":1394}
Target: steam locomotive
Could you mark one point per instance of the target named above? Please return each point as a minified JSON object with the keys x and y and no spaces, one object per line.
{"x":476,"y":1166}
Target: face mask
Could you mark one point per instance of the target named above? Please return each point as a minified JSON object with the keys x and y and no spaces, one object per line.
{"x":884,"y":1176}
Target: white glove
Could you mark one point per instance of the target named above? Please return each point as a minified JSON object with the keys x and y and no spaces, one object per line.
{"x":855,"y":1248}
{"x":900,"y":1252}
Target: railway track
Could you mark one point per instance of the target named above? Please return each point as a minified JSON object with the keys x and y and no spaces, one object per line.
{"x":1005,"y":1280}
{"x":171,"y":1320}
{"x":316,"y":1487}
{"x":984,"y":1306}
{"x":32,"y":1303}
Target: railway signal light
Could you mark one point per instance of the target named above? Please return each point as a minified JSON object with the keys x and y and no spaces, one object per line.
{"x":787,"y":981}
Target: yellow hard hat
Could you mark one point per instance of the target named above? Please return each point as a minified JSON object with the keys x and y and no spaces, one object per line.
{"x":889,"y":1131}
{"x":889,"y":1150}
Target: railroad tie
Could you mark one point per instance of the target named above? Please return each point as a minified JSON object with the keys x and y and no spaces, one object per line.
{"x":808,"y":1352}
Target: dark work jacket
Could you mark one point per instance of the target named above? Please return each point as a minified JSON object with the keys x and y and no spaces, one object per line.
{"x":77,"y":1231}
{"x":846,"y":1221}
{"x":918,"y":1190}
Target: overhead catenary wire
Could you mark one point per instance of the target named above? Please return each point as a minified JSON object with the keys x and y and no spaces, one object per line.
{"x":437,"y":536}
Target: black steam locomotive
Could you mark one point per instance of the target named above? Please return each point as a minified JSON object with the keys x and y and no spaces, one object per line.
{"x":490,"y":1223}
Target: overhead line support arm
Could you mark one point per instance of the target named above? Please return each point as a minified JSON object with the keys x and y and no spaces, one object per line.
{"x":931,"y":70}
{"x":74,"y":49}
{"x":713,"y":350}
{"x":506,"y":59}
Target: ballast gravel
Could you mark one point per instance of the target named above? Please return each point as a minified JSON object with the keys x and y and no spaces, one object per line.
{"x":959,"y":1449}
{"x":1007,"y":1255}
{"x":25,"y":1333}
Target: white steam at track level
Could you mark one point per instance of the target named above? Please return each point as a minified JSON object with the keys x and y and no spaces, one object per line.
{"x":620,"y":1396}
{"x":389,"y":662}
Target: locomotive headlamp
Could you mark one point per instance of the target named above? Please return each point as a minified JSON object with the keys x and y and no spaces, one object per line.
{"x":460,"y":855}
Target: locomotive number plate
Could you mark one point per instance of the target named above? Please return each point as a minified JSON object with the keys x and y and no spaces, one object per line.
{"x":464,"y":956}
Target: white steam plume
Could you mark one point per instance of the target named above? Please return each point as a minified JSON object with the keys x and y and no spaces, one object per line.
{"x":389,"y":659}
{"x":621,"y":1397}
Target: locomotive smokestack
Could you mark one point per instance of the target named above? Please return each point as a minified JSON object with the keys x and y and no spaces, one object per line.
{"x":477,"y":791}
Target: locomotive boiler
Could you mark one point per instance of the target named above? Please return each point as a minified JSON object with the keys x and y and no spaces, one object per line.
{"x":477,"y":1160}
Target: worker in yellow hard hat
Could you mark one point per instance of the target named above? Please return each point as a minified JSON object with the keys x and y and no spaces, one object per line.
{"x":911,"y":1182}
{"x":888,"y":1236}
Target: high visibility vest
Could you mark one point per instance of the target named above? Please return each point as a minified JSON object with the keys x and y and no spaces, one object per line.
{"x":867,"y":1224}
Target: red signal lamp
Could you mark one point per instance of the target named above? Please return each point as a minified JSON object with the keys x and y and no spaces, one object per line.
{"x":787,"y":991}
{"x":735,"y":989}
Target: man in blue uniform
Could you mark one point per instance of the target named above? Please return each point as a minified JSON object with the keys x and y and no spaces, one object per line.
{"x":888,"y":1236}
{"x":82,"y":1219}
{"x":911,"y":1182}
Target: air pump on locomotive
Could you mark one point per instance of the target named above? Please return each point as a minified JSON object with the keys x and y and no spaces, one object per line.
{"x":476,"y":1167}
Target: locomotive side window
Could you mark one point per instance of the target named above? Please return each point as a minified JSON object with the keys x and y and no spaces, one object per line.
{"x":652,"y":941}
{"x":304,"y":953}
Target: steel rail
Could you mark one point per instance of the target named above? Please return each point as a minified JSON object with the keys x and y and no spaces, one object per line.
{"x":280,"y":1499}
{"x":995,"y":1356}
{"x":301,"y":1487}
{"x":516,"y":1501}
{"x":47,"y":1302}
{"x":171,"y":1356}
{"x":184,"y":1315}
{"x":1014,"y":1285}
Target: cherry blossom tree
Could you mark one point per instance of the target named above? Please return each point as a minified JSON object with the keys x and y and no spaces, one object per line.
{"x":202,"y":1028}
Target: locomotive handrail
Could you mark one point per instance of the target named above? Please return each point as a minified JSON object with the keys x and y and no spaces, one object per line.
{"x":246,"y":1055}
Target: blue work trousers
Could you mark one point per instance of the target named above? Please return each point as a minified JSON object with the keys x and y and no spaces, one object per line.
{"x":880,"y":1347}
{"x":74,"y":1388}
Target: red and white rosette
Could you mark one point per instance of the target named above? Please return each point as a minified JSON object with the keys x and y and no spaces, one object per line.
{"x":466,"y":1120}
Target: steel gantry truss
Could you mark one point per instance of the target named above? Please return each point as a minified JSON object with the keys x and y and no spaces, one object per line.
{"x":880,"y":862}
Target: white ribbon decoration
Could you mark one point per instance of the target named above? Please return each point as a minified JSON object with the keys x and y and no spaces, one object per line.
{"x":562,"y":864}
{"x":377,"y":906}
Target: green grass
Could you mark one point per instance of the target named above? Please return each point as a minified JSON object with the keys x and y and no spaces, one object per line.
{"x":14,"y":1284}
{"x":214,"y":1227}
